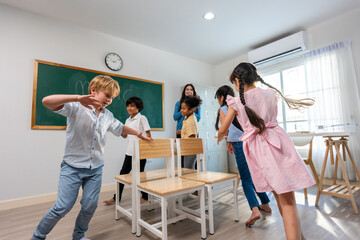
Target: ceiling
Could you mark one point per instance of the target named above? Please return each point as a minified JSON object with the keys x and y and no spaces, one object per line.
{"x":178,"y":26}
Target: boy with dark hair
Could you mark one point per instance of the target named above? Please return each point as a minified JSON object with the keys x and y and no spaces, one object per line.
{"x":139,"y":122}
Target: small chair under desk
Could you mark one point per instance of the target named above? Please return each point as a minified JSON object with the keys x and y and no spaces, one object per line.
{"x":306,"y":154}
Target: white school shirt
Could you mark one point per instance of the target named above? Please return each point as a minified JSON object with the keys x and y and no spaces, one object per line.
{"x":140,"y":123}
{"x":86,"y":134}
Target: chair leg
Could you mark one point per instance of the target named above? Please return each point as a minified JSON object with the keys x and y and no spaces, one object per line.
{"x":116,"y":200}
{"x":163,"y":218}
{"x":138,"y":213}
{"x":133,"y":208}
{"x":305,"y":193}
{"x":202,"y":213}
{"x":211,"y":210}
{"x":236,"y":201}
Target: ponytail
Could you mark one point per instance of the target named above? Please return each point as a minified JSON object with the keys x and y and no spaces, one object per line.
{"x":254,"y":119}
{"x":297,"y":104}
{"x":246,"y":73}
{"x":224,"y":91}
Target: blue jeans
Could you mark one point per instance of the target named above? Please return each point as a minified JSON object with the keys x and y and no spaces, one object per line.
{"x":246,"y":180}
{"x":71,"y":179}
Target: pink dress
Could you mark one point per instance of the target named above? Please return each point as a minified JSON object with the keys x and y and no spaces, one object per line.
{"x":273,"y":161}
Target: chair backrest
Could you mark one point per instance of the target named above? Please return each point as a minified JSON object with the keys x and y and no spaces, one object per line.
{"x":191,"y":146}
{"x":157,"y":148}
{"x":300,"y":143}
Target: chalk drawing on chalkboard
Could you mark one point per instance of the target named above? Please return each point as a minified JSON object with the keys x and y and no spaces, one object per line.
{"x":81,"y":87}
{"x":130,"y":92}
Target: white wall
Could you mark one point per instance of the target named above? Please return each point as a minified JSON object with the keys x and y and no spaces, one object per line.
{"x":30,"y":159}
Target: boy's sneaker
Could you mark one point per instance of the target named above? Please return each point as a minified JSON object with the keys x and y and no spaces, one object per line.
{"x":84,"y":238}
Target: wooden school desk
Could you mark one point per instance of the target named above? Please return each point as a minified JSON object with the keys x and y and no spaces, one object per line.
{"x":336,"y":140}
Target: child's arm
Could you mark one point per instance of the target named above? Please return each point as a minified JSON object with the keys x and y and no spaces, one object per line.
{"x":124,"y":135}
{"x":131,"y":131}
{"x":226,"y":124}
{"x":148,"y":134}
{"x":56,"y":102}
{"x":229,"y":146}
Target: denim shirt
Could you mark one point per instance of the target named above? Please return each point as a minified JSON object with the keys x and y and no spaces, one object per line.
{"x":234,"y":133}
{"x":86,"y":134}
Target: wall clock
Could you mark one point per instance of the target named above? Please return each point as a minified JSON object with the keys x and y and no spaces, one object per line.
{"x":113,"y":61}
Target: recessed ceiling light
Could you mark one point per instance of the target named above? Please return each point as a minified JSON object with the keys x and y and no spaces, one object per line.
{"x":209,"y":16}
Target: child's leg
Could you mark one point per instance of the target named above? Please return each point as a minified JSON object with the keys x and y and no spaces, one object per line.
{"x":264,"y":199}
{"x":91,"y":190}
{"x":144,"y":195}
{"x":246,"y":183}
{"x":69,"y":184}
{"x":290,"y":216}
{"x":278,"y":202}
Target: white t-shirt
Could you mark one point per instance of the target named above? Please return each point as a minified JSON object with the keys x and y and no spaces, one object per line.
{"x":140,"y":123}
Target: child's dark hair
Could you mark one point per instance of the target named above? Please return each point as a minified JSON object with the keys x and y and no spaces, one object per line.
{"x":137,"y":101}
{"x":192,"y":101}
{"x":247,"y":74}
{"x":224,"y":91}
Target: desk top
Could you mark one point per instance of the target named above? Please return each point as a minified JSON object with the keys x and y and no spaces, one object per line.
{"x":320,"y":134}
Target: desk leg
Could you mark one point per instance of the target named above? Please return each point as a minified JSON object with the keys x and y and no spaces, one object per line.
{"x":351,"y":196}
{"x":322,"y":173}
{"x":352,"y":161}
{"x":335,"y":169}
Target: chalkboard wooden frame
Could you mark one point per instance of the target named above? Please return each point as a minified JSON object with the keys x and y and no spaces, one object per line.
{"x":35,"y":101}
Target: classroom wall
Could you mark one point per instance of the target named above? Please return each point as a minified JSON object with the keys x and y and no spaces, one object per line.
{"x":343,"y":27}
{"x":30,"y":159}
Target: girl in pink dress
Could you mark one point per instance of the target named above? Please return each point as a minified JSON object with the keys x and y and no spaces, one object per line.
{"x":273,"y":161}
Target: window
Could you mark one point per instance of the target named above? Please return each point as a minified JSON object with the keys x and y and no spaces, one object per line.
{"x":290,"y":78}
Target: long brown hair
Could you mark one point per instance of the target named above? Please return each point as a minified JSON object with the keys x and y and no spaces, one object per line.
{"x":183,"y":96}
{"x":224,"y":91}
{"x":247,"y":74}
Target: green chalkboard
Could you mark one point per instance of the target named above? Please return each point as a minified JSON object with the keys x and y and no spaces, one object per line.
{"x":52,"y":78}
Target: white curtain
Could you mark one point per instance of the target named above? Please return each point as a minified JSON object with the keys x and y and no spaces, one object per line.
{"x":332,"y":81}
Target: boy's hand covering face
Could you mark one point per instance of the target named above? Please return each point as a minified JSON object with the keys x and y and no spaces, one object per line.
{"x":88,"y":101}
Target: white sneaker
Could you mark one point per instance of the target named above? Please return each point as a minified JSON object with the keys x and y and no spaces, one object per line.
{"x":84,"y":238}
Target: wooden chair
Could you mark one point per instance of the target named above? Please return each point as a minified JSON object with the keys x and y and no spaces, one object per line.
{"x":126,"y":179}
{"x":164,"y":189}
{"x":305,"y":153}
{"x":194,"y":146}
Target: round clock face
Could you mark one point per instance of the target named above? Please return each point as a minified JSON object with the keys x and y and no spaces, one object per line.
{"x":113,"y":61}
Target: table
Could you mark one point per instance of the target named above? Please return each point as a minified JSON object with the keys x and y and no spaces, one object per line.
{"x":337,"y":141}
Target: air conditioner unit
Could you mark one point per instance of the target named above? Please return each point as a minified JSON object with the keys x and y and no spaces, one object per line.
{"x":289,"y":45}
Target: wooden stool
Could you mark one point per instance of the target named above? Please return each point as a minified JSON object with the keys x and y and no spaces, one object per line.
{"x":338,"y":190}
